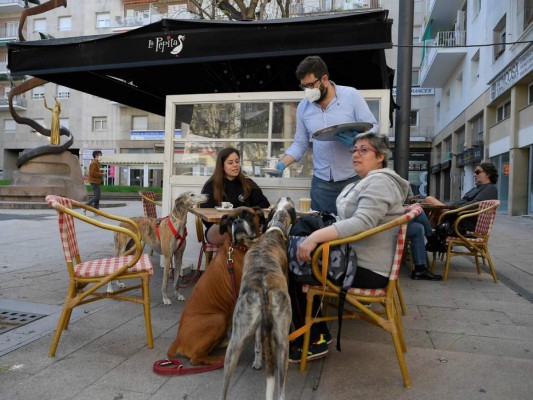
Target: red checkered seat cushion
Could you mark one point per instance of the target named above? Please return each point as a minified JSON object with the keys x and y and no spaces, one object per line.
{"x":106,"y":266}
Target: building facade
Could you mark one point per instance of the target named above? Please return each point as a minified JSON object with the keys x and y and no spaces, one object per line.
{"x":479,"y":57}
{"x":133,"y":140}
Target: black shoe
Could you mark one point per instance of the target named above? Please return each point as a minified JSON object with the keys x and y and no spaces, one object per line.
{"x":434,"y":245}
{"x":425,"y":275}
{"x":318,"y":349}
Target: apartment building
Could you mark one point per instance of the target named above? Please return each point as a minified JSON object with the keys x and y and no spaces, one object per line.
{"x":479,"y":56}
{"x":133,"y":140}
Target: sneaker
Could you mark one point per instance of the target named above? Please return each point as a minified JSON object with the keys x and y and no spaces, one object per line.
{"x":328,"y":338}
{"x":318,"y":349}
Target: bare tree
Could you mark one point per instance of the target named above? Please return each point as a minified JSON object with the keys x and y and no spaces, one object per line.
{"x":238,"y":9}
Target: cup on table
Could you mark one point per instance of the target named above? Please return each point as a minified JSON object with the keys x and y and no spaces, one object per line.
{"x":272,"y":162}
{"x":305,"y":204}
{"x":226,"y":205}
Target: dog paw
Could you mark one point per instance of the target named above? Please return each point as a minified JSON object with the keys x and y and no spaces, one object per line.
{"x":258,"y":363}
{"x":167,"y":302}
{"x":180,"y":297}
{"x":109,"y":288}
{"x":121,"y":285}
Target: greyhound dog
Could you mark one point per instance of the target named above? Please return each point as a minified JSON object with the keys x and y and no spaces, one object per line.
{"x":207,"y":314}
{"x":166,"y":236}
{"x":264,"y":305}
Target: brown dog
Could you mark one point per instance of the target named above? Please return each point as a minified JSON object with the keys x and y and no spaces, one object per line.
{"x":264,"y":304}
{"x":166,"y":236}
{"x":208,"y":312}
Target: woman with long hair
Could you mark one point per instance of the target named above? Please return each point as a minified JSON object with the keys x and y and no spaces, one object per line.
{"x":229,"y":184}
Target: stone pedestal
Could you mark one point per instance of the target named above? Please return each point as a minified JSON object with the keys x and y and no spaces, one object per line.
{"x":58,"y":174}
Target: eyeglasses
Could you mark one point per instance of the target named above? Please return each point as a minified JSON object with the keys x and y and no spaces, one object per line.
{"x":478,"y":171}
{"x":362,"y":150}
{"x":311,"y":85}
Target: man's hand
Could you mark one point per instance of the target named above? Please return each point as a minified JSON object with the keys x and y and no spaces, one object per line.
{"x":345,"y":138}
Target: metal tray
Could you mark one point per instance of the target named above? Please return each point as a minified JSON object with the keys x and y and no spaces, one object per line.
{"x":350,"y":128}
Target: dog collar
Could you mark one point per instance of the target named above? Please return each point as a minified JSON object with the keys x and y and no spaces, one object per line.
{"x":239,"y":246}
{"x":277,"y":228}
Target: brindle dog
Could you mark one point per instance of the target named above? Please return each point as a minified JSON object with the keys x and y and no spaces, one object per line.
{"x":264,"y":305}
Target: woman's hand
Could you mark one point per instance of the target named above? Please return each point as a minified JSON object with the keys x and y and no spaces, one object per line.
{"x":305,"y":249}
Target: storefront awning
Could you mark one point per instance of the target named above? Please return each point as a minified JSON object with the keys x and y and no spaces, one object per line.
{"x":150,"y":159}
{"x":139,"y":68}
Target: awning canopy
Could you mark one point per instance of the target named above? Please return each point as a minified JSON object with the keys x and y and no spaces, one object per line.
{"x":141,"y":67}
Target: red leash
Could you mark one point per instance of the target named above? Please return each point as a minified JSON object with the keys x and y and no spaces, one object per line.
{"x":173,"y":366}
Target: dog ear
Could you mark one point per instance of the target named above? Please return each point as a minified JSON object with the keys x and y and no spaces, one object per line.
{"x":292,"y":213}
{"x":262,"y":220}
{"x":224,"y":224}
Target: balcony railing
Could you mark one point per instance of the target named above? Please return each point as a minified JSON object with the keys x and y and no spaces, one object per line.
{"x":18,"y":101}
{"x":443,"y":39}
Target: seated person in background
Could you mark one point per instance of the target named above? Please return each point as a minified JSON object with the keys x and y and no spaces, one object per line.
{"x":374,"y":200}
{"x":485,"y":179}
{"x":228,"y":183}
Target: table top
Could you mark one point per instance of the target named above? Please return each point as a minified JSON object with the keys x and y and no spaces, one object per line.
{"x":428,"y":206}
{"x":212,"y":214}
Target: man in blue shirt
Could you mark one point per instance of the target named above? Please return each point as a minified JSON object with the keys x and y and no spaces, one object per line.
{"x":325,"y":104}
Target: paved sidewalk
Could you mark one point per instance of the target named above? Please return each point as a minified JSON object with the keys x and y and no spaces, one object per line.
{"x":467,"y":338}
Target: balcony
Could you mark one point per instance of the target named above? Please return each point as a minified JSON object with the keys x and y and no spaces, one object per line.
{"x":19,"y":103}
{"x":440,"y":14}
{"x":11,"y":6}
{"x":442,"y":58}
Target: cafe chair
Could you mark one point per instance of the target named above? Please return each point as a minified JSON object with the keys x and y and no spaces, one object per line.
{"x":88,"y":279}
{"x":207,"y":249}
{"x":149,"y":200}
{"x":474,"y":244}
{"x":387,"y":316}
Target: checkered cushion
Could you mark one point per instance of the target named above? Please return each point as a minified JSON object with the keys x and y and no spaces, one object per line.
{"x":107,"y":266}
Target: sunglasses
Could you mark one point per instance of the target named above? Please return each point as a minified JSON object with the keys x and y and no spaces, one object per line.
{"x":478,"y":171}
{"x":362,"y":150}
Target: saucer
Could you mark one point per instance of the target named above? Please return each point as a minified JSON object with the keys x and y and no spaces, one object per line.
{"x":219,"y":208}
{"x":273,"y":171}
{"x":310,"y":212}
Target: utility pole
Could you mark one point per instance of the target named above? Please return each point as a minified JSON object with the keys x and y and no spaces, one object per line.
{"x":403,"y":87}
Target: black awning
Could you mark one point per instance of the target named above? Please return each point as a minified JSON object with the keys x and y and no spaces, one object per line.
{"x":141,"y":67}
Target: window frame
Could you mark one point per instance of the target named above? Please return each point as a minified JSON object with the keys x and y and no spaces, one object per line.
{"x":503,"y":111}
{"x":64,"y":18}
{"x":99,"y":124}
{"x":103,"y":23}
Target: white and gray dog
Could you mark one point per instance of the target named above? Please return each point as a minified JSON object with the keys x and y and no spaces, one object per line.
{"x":264,"y":305}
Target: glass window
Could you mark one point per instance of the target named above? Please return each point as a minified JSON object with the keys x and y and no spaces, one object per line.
{"x":63,"y":92}
{"x":528,"y":13}
{"x":530,"y":94}
{"x":103,"y":20}
{"x":37,"y":92}
{"x":499,"y":36}
{"x":415,"y":73}
{"x":64,"y":24}
{"x":413,"y":118}
{"x":99,"y":124}
{"x":503,"y":111}
{"x":260,"y":125}
{"x":10,"y":125}
{"x":39,"y":25}
{"x":139,"y":123}
{"x":477,"y":130}
{"x":12,"y":28}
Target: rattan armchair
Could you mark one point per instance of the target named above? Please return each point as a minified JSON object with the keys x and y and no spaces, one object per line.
{"x":87,"y":280}
{"x":388,"y":317}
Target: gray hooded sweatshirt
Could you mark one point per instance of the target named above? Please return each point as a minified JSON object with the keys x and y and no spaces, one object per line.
{"x":372,"y":201}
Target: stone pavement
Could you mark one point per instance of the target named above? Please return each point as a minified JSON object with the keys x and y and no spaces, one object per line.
{"x":467,"y":338}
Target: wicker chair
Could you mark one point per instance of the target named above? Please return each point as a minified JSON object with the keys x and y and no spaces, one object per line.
{"x":87,"y":280}
{"x":149,"y":200}
{"x":474,"y":244}
{"x":388,"y":318}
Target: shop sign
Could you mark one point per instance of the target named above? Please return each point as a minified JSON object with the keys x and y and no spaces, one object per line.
{"x":459,"y":159}
{"x":435,"y":168}
{"x":445,"y":165}
{"x":513,"y":74}
{"x":152,"y":135}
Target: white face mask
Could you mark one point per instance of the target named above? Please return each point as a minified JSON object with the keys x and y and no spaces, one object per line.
{"x":312,"y":95}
